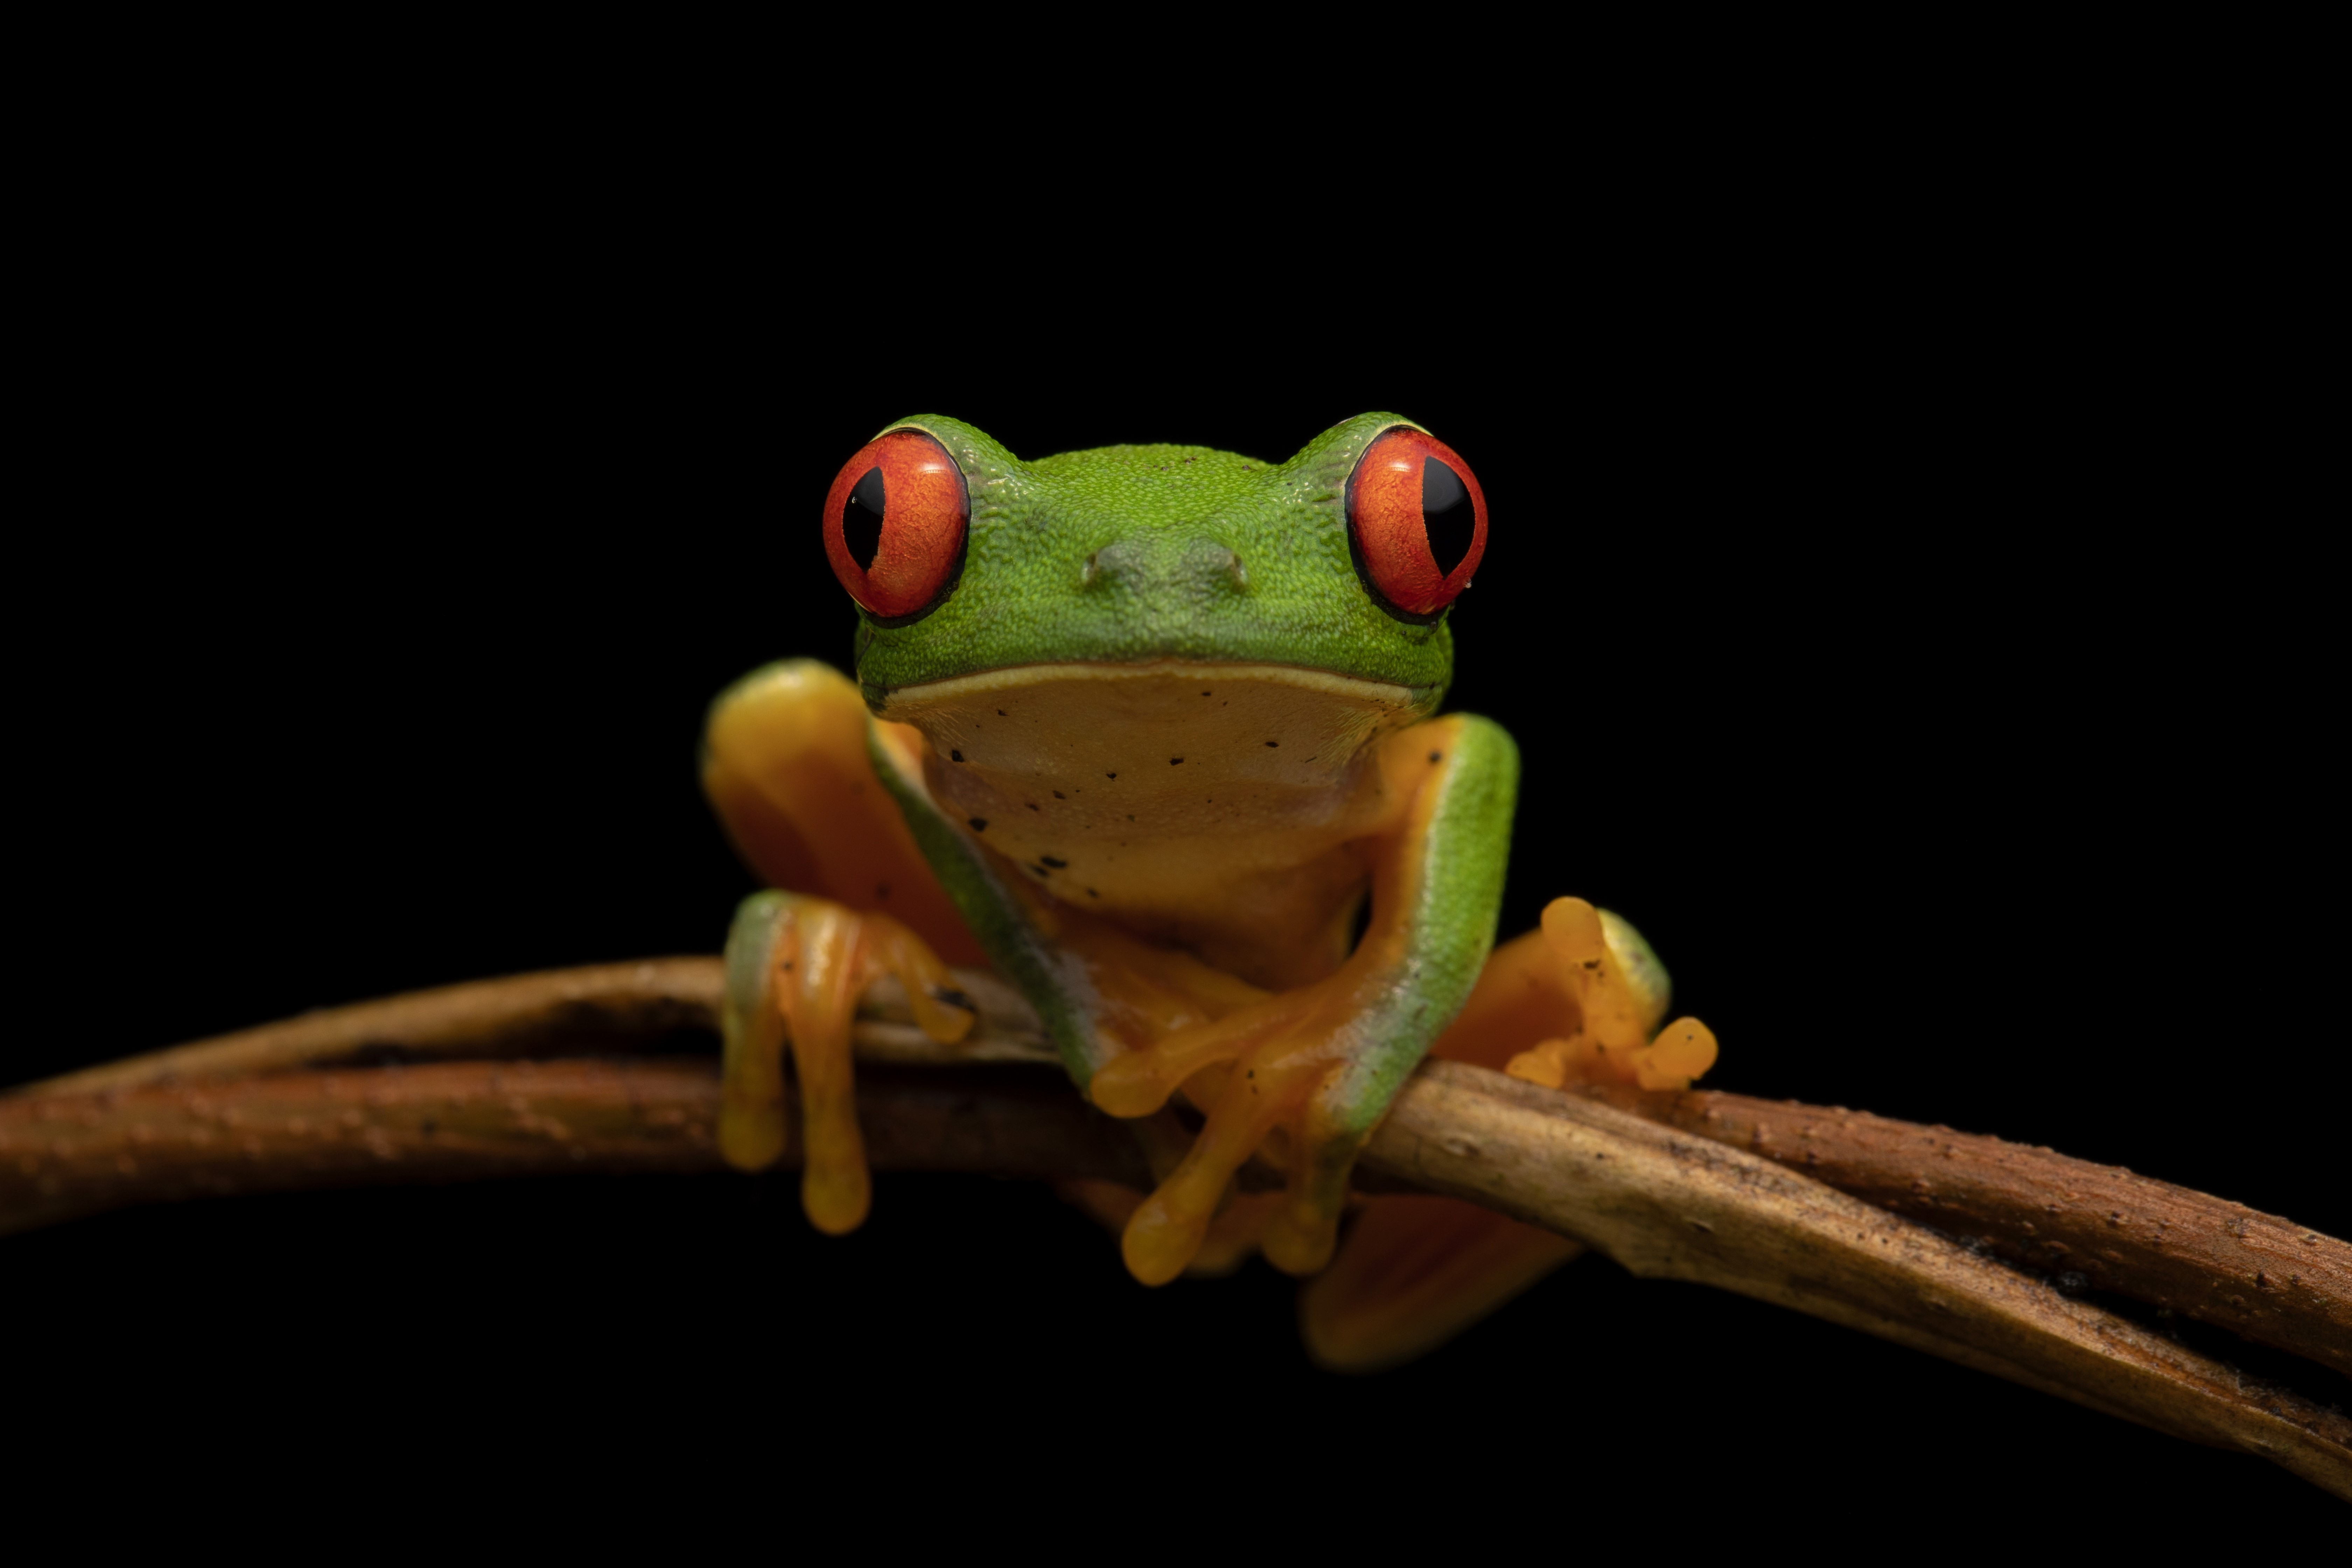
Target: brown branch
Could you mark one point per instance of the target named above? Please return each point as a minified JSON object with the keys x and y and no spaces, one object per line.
{"x":1667,"y":1191}
{"x":66,"y":1156}
{"x":2258,"y":1276}
{"x":2261,"y":1277}
{"x":1671,"y":1206}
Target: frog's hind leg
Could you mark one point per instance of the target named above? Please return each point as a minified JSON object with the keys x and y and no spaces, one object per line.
{"x":1413,"y":1272}
{"x":786,"y":766}
{"x":796,"y":966}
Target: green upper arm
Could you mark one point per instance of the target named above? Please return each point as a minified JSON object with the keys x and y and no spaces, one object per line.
{"x":1460,"y":850}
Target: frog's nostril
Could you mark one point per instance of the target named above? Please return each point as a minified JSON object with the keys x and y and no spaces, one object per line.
{"x":1205,"y":560}
{"x":1120,"y":560}
{"x":1153,"y":566}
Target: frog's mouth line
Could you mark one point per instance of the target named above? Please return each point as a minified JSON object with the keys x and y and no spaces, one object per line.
{"x":1370,"y":693}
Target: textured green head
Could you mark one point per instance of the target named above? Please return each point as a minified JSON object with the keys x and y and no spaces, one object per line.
{"x":1138,"y":554}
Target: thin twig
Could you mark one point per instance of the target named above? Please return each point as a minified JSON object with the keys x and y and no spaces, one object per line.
{"x":574,"y":1011}
{"x":1653,"y":1182}
{"x":513,"y":1016}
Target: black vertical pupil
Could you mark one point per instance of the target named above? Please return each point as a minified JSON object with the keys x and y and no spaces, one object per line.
{"x":1448,"y":513}
{"x":861,"y":518}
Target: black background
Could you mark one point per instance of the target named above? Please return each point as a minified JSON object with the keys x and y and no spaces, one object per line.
{"x":1894,"y":614}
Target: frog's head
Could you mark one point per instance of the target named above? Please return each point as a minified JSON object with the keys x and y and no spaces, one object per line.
{"x":1337,"y":566}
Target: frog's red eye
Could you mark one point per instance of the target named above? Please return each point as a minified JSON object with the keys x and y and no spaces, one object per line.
{"x":895,"y":525}
{"x":1416,"y":522}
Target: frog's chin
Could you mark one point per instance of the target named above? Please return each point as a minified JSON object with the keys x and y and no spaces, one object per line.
{"x":904,"y":701}
{"x":1153,"y":745}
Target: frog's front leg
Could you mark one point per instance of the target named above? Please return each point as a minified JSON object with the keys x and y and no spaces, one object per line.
{"x":1320,"y":1064}
{"x":1581,"y":1000}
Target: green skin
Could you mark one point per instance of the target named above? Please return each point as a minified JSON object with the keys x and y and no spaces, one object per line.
{"x":1125,"y":554}
{"x":1162,"y":524}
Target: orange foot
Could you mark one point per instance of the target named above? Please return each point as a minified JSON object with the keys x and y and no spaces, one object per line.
{"x":1269,"y":1074}
{"x":1233,"y":1235}
{"x":1606,"y":966}
{"x":796,"y":966}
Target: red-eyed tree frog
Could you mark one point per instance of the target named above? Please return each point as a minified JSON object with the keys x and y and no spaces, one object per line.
{"x":1153,"y":731}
